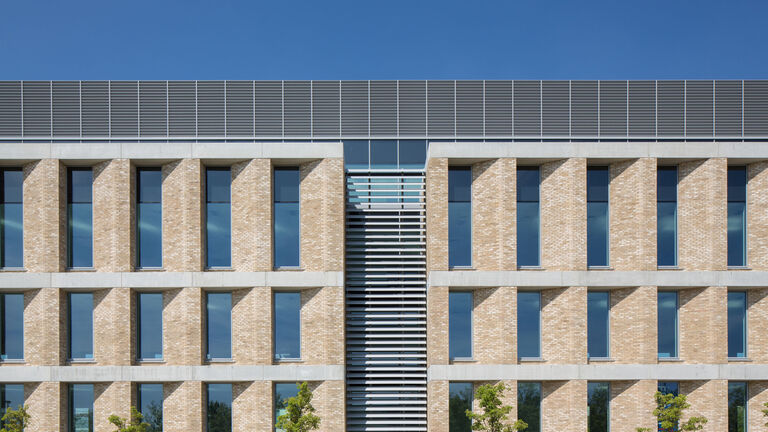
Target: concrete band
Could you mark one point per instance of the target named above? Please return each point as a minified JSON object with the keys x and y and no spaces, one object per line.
{"x":210,"y":373}
{"x":160,"y":280}
{"x":171,"y":150}
{"x":476,"y":151}
{"x":607,"y":279}
{"x":598,"y":372}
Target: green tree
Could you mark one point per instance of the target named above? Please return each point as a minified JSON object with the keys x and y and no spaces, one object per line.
{"x":299,"y":413}
{"x":136,"y":423}
{"x":154,"y":417}
{"x":457,"y":407}
{"x":765,"y":411}
{"x":669,"y":410}
{"x":219,"y":417}
{"x":494,"y":416}
{"x":15,"y":420}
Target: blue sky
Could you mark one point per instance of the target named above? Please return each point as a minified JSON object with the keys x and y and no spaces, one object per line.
{"x":393,"y":39}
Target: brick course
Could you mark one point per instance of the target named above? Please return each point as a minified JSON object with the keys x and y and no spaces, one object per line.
{"x":494,"y":202}
{"x":632,"y":214}
{"x":563,"y":204}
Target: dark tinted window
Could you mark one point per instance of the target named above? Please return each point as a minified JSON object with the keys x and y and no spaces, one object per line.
{"x":460,"y":400}
{"x":287,"y":325}
{"x":287,"y":223}
{"x":356,"y":154}
{"x":11,"y":218}
{"x":669,"y":387}
{"x":383,"y":154}
{"x":150,"y":325}
{"x":737,"y":406}
{"x":737,"y":216}
{"x":80,"y":218}
{"x":81,"y":325}
{"x":598,"y":324}
{"x":219,"y":325}
{"x":529,"y":404}
{"x":11,"y":396}
{"x":413,"y":154}
{"x":460,"y":324}
{"x":149,"y":216}
{"x":597,"y":216}
{"x":528,"y":225}
{"x":667,"y":326}
{"x":80,"y":407}
{"x":219,"y":408}
{"x":150,"y":404}
{"x":460,"y":217}
{"x":666,"y":216}
{"x":283,"y":391}
{"x":12,"y":309}
{"x":598,"y":397}
{"x":737,"y":324}
{"x":528,"y":324}
{"x":218,"y":217}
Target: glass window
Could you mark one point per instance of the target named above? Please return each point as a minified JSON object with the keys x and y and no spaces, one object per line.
{"x":150,"y":325}
{"x":12,"y":310}
{"x":287,"y":223}
{"x":529,"y":324}
{"x":219,"y":408}
{"x":412,"y":154}
{"x":460,"y":324}
{"x":529,"y":404}
{"x":598,"y":324}
{"x":598,"y":399}
{"x":460,"y":217}
{"x":597,"y":216}
{"x":219,"y":325}
{"x":81,"y":407}
{"x":283,"y":391}
{"x":669,"y":387}
{"x":667,"y":323}
{"x":737,"y":406}
{"x":528,"y":235}
{"x":80,"y":218}
{"x":666,"y":213}
{"x":11,"y":218}
{"x":11,"y":396}
{"x":383,"y":154}
{"x":356,"y":154}
{"x":287,"y":325}
{"x":81,"y":325}
{"x":149,"y":217}
{"x":460,"y":400}
{"x":218,"y":217}
{"x":737,"y":216}
{"x":737,"y":324}
{"x":150,"y":402}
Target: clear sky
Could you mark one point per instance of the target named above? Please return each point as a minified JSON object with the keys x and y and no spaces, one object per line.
{"x":393,"y":39}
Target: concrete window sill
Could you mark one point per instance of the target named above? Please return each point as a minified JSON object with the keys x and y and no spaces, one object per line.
{"x":531,"y":359}
{"x":289,"y":360}
{"x":600,"y":268}
{"x":12,"y":269}
{"x":462,"y":360}
{"x":13,"y":361}
{"x":668,"y":268}
{"x":739,"y":268}
{"x":81,"y":361}
{"x":224,"y":269}
{"x":530,"y":268}
{"x":289,"y":268}
{"x":80,"y":269}
{"x":739,"y":359}
{"x":222,"y":360}
{"x":670,"y":359}
{"x":149,"y":269}
{"x":601,"y":359}
{"x":154,"y":361}
{"x":461,"y":268}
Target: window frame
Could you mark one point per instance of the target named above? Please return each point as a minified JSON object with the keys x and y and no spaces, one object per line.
{"x":3,"y":202}
{"x":274,"y":328}
{"x":207,"y":201}
{"x":71,"y":359}
{"x":138,"y":218}
{"x":469,"y":169}
{"x":745,"y":326}
{"x":677,"y":217}
{"x":471,"y":325}
{"x":745,"y":230}
{"x":70,"y":235}
{"x":298,"y":266}
{"x":517,"y":202}
{"x":540,"y":385}
{"x":608,"y":403}
{"x":21,"y":359}
{"x":71,"y":407}
{"x":208,"y":403}
{"x":162,"y":399}
{"x":208,"y":357}
{"x":608,"y":326}
{"x":139,"y":358}
{"x":746,"y":403}
{"x":607,"y":202}
{"x":275,"y":400}
{"x":677,"y":326}
{"x":517,"y":315}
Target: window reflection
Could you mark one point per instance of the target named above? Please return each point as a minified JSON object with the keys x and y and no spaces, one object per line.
{"x":528,"y":225}
{"x":11,"y":218}
{"x":80,"y":218}
{"x":219,"y":325}
{"x":149,"y":217}
{"x":460,"y":324}
{"x":150,"y":325}
{"x":287,"y":325}
{"x":528,"y":324}
{"x":737,"y":216}
{"x":80,"y":325}
{"x":219,"y":408}
{"x":287,"y":222}
{"x":598,"y":324}
{"x":218,"y":217}
{"x":666,"y":213}
{"x":667,"y":323}
{"x":150,"y":405}
{"x":460,"y":400}
{"x":597,"y":216}
{"x":737,"y":324}
{"x":529,"y":404}
{"x":12,"y":342}
{"x":460,"y":217}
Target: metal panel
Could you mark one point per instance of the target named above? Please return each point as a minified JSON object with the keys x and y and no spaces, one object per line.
{"x":124,"y":108}
{"x":699,"y":109}
{"x":670,"y":103}
{"x":95,"y":108}
{"x":298,"y":108}
{"x":613,"y":108}
{"x":584,"y":108}
{"x":66,"y":108}
{"x":728,"y":108}
{"x":37,"y":108}
{"x":527,"y":108}
{"x":642,"y":108}
{"x":469,"y":108}
{"x":269,"y":108}
{"x":441,"y":110}
{"x":326,"y":117}
{"x":211,"y":110}
{"x":182,"y":108}
{"x":10,"y":108}
{"x":412,"y":107}
{"x":498,"y":108}
{"x":756,"y":108}
{"x":153,"y":112}
{"x":240,"y":108}
{"x":555,"y":108}
{"x":386,"y":379}
{"x":383,"y":108}
{"x":354,"y":108}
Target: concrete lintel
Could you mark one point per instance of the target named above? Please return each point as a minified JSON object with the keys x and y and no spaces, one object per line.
{"x":597,"y":372}
{"x":597,"y":278}
{"x":211,"y":373}
{"x":160,"y":280}
{"x":597,"y":150}
{"x":171,"y":150}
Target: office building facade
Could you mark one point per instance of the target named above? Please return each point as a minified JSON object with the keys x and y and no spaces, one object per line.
{"x":194,"y":249}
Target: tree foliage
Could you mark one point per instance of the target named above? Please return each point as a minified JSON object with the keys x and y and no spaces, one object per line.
{"x":765,"y":411}
{"x":299,"y":413}
{"x":669,"y":410}
{"x":494,"y":413}
{"x":136,"y":424}
{"x":15,"y":420}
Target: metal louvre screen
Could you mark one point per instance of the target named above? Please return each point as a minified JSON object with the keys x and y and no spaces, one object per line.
{"x":413,"y":109}
{"x":386,"y":301}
